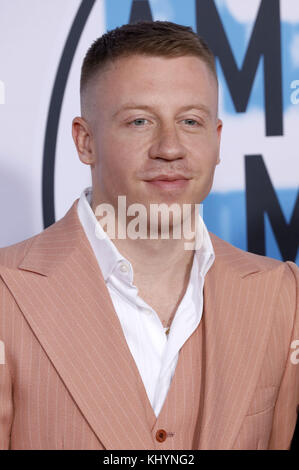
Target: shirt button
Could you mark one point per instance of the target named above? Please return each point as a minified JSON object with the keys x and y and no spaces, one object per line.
{"x":148,"y":311}
{"x":161,"y":435}
{"x":124,"y":268}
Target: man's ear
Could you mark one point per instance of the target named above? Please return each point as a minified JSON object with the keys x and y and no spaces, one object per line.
{"x":219,"y":131}
{"x":82,"y":137}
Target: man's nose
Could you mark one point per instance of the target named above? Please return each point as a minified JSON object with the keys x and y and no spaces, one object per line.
{"x":167,"y":144}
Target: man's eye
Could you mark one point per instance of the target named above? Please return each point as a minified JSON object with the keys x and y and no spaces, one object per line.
{"x":138,"y":122}
{"x":191,"y":122}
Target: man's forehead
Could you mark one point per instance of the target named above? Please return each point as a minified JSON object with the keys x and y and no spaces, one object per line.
{"x":141,"y":74}
{"x":119,"y":84}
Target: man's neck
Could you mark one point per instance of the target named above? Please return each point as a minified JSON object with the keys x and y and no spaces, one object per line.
{"x":154,"y":260}
{"x":151,"y":258}
{"x":161,"y":272}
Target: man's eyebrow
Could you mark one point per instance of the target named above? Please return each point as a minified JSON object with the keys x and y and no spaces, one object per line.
{"x":128,"y":106}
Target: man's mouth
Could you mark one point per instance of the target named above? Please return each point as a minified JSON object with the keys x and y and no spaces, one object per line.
{"x":168,"y":182}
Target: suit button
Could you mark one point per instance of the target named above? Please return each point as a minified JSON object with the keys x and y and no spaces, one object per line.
{"x":161,"y":435}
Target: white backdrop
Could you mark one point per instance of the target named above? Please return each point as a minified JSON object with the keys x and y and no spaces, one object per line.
{"x":32,"y":37}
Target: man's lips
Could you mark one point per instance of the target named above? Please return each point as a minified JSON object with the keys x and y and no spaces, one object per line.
{"x":165,"y":177}
{"x":167,"y":182}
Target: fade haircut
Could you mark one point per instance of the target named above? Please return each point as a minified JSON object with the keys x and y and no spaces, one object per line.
{"x":149,"y":38}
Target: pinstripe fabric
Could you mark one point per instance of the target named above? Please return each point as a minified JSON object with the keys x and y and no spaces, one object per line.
{"x":70,"y":382}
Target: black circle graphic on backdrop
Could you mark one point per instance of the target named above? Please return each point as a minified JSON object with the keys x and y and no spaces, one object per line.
{"x":55,"y":110}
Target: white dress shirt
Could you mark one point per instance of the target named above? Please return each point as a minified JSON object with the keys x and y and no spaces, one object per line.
{"x":155,"y":353}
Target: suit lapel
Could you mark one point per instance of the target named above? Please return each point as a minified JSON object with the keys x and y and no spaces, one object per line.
{"x":60,"y":289}
{"x":238,"y":306}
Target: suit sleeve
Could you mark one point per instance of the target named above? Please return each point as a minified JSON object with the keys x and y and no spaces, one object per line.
{"x":287,"y":403}
{"x":6,"y":398}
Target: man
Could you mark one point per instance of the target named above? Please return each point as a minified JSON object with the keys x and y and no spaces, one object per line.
{"x":137,"y":342}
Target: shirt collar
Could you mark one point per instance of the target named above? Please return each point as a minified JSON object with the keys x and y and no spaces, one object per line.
{"x":108,"y":255}
{"x":104,"y":249}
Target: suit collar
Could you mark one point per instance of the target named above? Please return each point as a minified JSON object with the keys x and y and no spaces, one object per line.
{"x":54,"y":245}
{"x":235,"y":259}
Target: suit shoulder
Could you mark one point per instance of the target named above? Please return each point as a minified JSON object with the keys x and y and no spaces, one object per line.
{"x":224,"y":248}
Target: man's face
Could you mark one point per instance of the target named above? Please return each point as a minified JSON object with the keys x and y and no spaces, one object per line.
{"x":154,"y":117}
